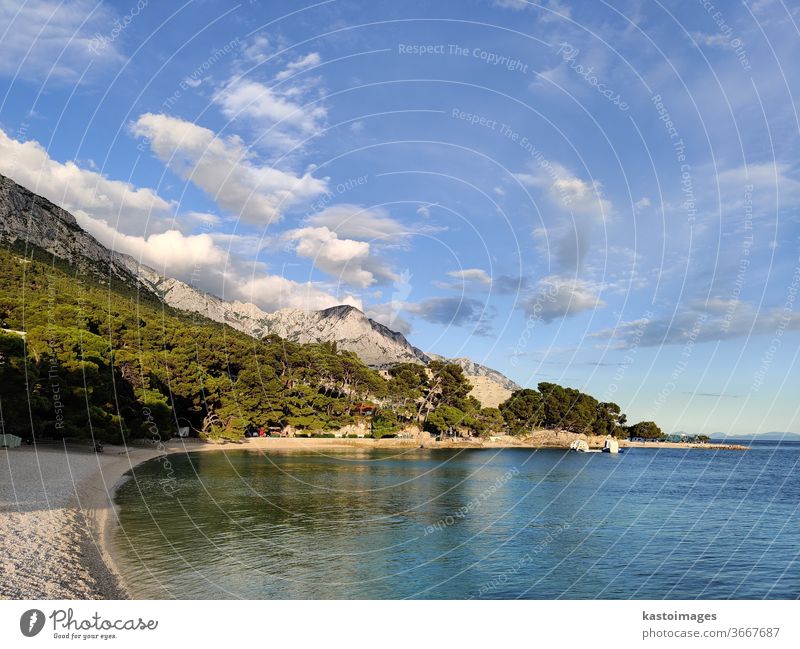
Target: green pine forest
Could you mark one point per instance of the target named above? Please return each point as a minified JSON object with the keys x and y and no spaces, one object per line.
{"x":104,"y":361}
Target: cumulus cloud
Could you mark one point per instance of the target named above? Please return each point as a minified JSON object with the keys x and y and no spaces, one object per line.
{"x":273,"y":292}
{"x":172,"y":253}
{"x":348,"y":260}
{"x":200,"y":261}
{"x":355,"y":221}
{"x":48,"y":38}
{"x":78,"y":190}
{"x":225,"y":169}
{"x":101,"y":204}
{"x":560,"y":297}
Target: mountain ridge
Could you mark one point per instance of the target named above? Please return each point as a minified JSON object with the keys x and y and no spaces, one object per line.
{"x":30,"y":218}
{"x":770,"y":436}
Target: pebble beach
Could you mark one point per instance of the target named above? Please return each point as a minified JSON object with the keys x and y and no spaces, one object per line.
{"x":54,"y":505}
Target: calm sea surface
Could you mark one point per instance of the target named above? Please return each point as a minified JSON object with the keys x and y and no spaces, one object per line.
{"x":465,"y":524}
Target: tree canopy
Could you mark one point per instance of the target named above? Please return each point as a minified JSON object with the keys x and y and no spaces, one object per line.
{"x":646,"y":430}
{"x":102,"y":359}
{"x":557,"y":407}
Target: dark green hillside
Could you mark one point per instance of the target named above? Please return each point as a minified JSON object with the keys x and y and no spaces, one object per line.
{"x":108,"y":362}
{"x":101,"y":359}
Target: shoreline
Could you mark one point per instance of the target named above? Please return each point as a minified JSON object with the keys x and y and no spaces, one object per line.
{"x":79,"y":516}
{"x":104,"y":522}
{"x":57,"y":513}
{"x":547,"y":439}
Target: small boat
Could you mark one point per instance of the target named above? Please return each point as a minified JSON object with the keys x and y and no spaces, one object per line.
{"x":581,"y":446}
{"x":611,"y":445}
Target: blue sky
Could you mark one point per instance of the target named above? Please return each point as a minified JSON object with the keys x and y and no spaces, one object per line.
{"x":600,"y":196}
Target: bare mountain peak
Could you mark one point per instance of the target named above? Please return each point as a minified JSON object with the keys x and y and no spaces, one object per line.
{"x":27,"y":219}
{"x":350,"y":329}
{"x":342,"y":311}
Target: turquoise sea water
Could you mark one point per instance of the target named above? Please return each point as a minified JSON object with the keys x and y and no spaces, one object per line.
{"x":511,"y":523}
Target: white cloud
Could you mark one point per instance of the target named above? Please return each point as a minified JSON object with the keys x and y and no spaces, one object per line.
{"x":711,"y":40}
{"x":516,"y":5}
{"x":472,"y":275}
{"x":308,"y":61}
{"x":225,"y":169}
{"x":269,"y":108}
{"x":257,"y":50}
{"x":544,"y":16}
{"x":198,"y":260}
{"x":282,"y":112}
{"x":43,"y":38}
{"x":273,"y":292}
{"x":203,"y":218}
{"x":560,"y":297}
{"x":347,"y":260}
{"x":171,"y":253}
{"x":97,"y":202}
{"x":80,"y":190}
{"x":355,"y":221}
{"x":567,"y":190}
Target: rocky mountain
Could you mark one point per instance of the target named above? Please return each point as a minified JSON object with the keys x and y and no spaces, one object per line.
{"x":28,"y":218}
{"x":243,"y":316}
{"x":471,"y":368}
{"x":489,"y":386}
{"x":376,"y":344}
